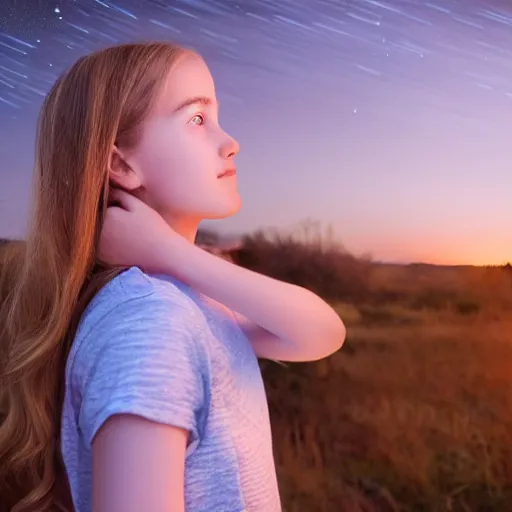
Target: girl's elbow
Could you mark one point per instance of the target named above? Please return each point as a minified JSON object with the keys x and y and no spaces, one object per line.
{"x":338,"y":334}
{"x":332,"y":339}
{"x":333,"y":326}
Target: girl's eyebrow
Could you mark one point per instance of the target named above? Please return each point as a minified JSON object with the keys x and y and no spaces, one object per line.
{"x":196,"y":100}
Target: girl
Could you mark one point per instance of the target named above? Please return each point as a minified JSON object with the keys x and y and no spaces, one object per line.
{"x":129,"y":355}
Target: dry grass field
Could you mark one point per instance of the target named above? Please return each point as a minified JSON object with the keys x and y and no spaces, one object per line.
{"x":415,"y":418}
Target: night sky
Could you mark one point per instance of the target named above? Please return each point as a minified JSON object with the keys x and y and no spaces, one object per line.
{"x":389,"y":120}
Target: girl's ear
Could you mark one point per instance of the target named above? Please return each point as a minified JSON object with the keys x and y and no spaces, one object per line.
{"x":121,"y":173}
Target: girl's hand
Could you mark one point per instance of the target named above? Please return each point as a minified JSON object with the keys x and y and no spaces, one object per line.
{"x":133,"y":234}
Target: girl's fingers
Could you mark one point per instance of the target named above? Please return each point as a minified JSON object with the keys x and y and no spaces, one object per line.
{"x":122,"y":198}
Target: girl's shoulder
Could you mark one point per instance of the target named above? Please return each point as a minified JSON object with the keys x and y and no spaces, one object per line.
{"x":146,"y":291}
{"x":137,"y":304}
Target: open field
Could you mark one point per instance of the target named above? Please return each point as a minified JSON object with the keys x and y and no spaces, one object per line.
{"x":415,"y":412}
{"x":401,"y":419}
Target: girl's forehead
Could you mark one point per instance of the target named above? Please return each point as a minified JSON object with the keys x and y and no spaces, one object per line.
{"x":188,"y":78}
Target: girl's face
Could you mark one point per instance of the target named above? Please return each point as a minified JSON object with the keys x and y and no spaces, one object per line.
{"x":185,"y":161}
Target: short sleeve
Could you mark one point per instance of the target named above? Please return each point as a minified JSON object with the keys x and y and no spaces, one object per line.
{"x":145,"y":357}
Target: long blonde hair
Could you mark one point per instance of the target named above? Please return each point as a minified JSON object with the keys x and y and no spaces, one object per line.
{"x":47,"y":281}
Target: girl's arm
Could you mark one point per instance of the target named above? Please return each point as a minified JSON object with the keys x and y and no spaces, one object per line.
{"x":138,"y":465}
{"x":283,"y":321}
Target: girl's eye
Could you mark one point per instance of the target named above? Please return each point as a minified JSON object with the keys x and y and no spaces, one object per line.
{"x":197,"y":120}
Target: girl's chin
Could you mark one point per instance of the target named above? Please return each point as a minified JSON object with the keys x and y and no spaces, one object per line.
{"x":226,"y":212}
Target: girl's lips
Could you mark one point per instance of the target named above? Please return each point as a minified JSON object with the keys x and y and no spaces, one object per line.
{"x":226,"y":173}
